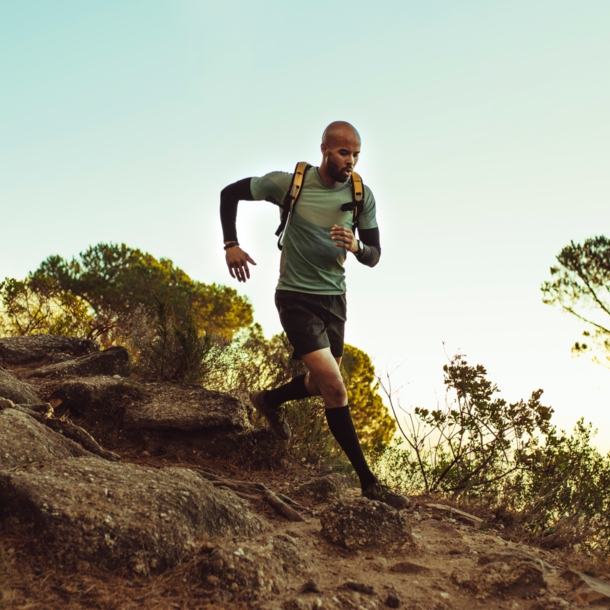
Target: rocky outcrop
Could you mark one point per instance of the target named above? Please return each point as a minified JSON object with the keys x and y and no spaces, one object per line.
{"x":113,"y":361}
{"x":363,"y":523}
{"x":184,"y":415}
{"x":23,"y":440}
{"x":252,"y":569}
{"x":122,"y":514}
{"x":186,"y":407}
{"x":32,"y":349}
{"x":17,"y":391}
{"x":100,"y":400}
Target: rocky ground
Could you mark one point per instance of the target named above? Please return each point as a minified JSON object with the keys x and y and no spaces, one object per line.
{"x":120,"y":494}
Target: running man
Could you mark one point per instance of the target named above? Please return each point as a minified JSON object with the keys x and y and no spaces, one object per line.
{"x":310,"y":294}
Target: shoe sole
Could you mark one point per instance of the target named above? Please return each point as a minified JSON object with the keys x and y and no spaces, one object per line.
{"x":281,"y":429}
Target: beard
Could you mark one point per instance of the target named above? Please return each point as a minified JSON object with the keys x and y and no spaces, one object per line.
{"x":336,"y":172}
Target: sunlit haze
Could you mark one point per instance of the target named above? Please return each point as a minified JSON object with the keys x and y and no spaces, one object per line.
{"x":485,"y":139}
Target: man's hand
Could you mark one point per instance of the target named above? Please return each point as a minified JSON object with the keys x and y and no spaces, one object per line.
{"x":344,"y":238}
{"x":237,"y":261}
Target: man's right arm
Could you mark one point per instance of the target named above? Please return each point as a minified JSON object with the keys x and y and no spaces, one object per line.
{"x":230,"y":196}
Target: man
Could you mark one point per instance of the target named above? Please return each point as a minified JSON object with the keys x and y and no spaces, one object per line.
{"x":310,"y":295}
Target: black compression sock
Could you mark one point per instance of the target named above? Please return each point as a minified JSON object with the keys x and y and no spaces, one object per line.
{"x":293,"y":390}
{"x":341,"y":425}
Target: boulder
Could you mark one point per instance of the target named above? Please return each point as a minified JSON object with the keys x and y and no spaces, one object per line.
{"x":23,"y":440}
{"x":118,"y":515}
{"x":588,"y":589}
{"x":43,"y":348}
{"x":326,"y":488}
{"x":100,"y":400}
{"x":251,"y":570}
{"x":113,"y":361}
{"x":186,"y":407}
{"x":504,"y":573}
{"x":363,"y":523}
{"x":17,"y":391}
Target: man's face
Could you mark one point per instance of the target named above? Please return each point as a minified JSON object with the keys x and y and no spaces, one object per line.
{"x":341,"y":156}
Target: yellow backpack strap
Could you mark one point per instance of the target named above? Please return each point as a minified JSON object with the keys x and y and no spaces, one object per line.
{"x":291,"y":198}
{"x":297,"y":182}
{"x":358,"y":193}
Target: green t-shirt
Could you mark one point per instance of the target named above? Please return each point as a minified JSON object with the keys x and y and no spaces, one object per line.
{"x":311,"y":262}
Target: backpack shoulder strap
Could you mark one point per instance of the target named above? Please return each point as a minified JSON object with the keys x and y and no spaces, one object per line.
{"x":358,"y":194}
{"x":291,"y":198}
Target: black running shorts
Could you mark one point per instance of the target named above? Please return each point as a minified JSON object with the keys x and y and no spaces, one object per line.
{"x":312,"y":321}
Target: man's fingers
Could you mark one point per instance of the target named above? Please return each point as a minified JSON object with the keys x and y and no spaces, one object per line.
{"x":249,"y":259}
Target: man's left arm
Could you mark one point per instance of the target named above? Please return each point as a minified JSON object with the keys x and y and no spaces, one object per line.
{"x":370,"y":251}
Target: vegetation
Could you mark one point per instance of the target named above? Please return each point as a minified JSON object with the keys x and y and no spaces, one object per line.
{"x":97,"y":295}
{"x":580,"y":285}
{"x":503,"y":456}
{"x":477,"y":447}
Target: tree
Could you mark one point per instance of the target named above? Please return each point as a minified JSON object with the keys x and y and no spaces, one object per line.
{"x":580,"y":285}
{"x":371,"y":417}
{"x":115,"y":281}
{"x":28,"y":311}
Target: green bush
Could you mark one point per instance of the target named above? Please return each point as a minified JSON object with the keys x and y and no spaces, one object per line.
{"x":504,"y":456}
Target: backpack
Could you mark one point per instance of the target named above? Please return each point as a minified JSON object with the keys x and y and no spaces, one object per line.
{"x":293,"y":193}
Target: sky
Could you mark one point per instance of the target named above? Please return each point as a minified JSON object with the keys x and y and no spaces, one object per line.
{"x":485,"y":140}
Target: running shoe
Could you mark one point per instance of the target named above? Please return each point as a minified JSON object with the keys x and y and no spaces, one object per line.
{"x":273,"y":416}
{"x":382,"y":493}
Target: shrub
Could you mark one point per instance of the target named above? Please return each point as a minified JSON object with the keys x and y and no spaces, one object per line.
{"x":504,"y":456}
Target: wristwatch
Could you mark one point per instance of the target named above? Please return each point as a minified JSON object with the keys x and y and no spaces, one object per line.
{"x":360,"y":248}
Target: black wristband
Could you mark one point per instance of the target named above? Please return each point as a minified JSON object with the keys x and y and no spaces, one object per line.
{"x":231,"y":244}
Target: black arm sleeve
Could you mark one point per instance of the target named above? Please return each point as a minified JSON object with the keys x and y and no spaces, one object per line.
{"x":230,"y":196}
{"x":371,"y":248}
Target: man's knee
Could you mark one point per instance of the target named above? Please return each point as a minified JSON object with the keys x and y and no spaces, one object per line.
{"x":334,"y":391}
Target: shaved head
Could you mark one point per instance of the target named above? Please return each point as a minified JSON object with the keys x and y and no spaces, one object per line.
{"x":339,"y":130}
{"x":340,"y":151}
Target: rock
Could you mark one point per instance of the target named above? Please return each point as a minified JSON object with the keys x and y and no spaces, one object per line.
{"x":311,"y":586}
{"x":360,"y":587}
{"x":186,"y":407}
{"x":100,"y":400}
{"x":408,"y":567}
{"x":512,"y":557}
{"x":587,"y":589}
{"x":43,"y":348}
{"x":252,"y":569}
{"x":121,"y":514}
{"x":459,"y":515}
{"x":329,"y":487}
{"x":17,"y":391}
{"x":442,"y":529}
{"x":510,"y":573}
{"x":552,"y":603}
{"x":23,"y":440}
{"x":113,"y":361}
{"x":184,"y":415}
{"x":363,"y":523}
{"x":392,"y":600}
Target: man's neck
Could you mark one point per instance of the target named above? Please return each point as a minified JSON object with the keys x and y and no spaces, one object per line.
{"x":326,"y":177}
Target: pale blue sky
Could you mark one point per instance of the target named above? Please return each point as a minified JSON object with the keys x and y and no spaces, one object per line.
{"x":486,"y":140}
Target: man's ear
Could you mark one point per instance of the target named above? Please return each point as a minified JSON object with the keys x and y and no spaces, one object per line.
{"x":324,"y":149}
